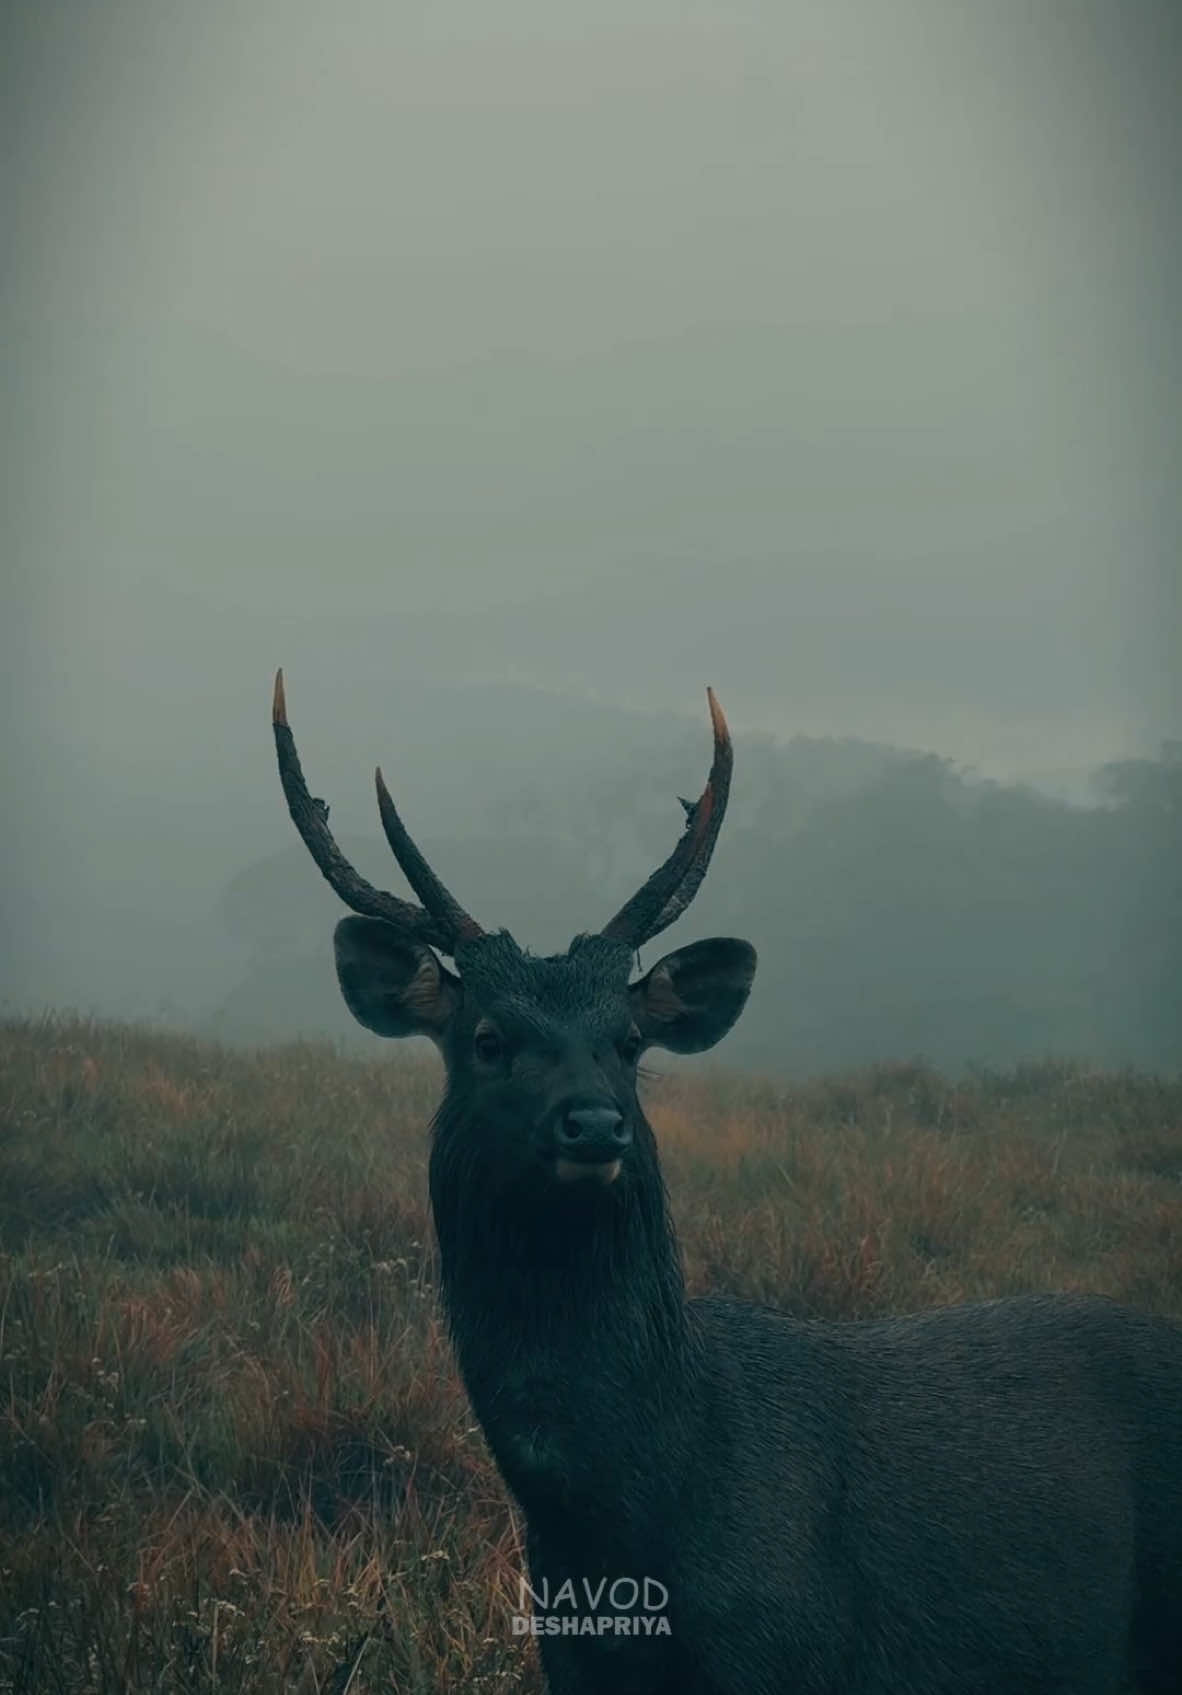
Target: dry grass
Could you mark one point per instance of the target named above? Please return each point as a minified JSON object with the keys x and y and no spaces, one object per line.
{"x":234,"y":1453}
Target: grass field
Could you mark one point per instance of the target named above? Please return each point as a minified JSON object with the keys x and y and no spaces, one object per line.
{"x":234,"y":1453}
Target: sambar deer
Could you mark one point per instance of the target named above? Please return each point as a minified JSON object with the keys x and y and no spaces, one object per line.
{"x":981,"y":1500}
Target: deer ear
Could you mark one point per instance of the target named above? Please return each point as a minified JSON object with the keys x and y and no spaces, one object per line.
{"x":690,"y":999}
{"x":392,"y":986}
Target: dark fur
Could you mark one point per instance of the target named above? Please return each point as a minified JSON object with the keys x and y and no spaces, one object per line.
{"x":984,"y":1500}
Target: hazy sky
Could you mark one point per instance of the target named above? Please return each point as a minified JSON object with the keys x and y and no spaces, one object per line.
{"x":826,"y":351}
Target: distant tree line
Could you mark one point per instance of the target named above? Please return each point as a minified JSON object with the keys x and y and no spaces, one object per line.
{"x":900,"y":906}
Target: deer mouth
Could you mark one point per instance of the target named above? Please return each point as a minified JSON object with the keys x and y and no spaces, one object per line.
{"x":587,"y":1171}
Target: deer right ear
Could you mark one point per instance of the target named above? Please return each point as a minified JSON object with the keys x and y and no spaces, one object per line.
{"x":393,"y":986}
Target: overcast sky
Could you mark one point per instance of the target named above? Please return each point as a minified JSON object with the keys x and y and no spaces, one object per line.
{"x":824,"y":350}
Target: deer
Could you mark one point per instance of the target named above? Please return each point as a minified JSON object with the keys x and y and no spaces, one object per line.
{"x":982,"y":1499}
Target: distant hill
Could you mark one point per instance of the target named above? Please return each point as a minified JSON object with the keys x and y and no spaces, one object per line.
{"x":900,"y":907}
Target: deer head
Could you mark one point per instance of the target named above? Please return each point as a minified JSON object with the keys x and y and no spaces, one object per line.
{"x":543,"y":1051}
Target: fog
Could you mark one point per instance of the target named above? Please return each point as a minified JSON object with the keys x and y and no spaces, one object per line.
{"x":509,"y":374}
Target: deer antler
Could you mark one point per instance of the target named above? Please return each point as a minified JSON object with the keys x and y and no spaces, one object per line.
{"x":675,"y":883}
{"x":441,"y":921}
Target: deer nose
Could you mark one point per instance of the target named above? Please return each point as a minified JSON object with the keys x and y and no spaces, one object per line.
{"x":588,"y":1131}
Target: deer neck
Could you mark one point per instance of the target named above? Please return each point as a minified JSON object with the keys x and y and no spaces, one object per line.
{"x":570,"y":1328}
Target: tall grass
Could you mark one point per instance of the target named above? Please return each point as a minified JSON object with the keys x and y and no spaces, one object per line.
{"x":234,"y":1453}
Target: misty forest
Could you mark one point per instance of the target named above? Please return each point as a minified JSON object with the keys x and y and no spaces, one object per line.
{"x":902,"y":907}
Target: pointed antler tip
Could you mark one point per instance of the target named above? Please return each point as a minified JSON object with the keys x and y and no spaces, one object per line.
{"x":717,"y":717}
{"x":279,"y":700}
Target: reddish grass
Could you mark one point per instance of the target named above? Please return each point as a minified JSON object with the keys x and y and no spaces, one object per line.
{"x":234,"y":1452}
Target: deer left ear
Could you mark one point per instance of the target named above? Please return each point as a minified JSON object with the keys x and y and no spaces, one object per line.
{"x":690,"y":999}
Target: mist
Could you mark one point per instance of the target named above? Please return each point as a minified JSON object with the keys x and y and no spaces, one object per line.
{"x":508,"y":380}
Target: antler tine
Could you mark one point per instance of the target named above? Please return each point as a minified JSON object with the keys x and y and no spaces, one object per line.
{"x":674,"y":884}
{"x":310,"y":819}
{"x":434,"y":896}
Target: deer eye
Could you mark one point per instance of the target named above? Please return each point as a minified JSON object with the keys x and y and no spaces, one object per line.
{"x":631,"y":1045}
{"x":488,"y":1044}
